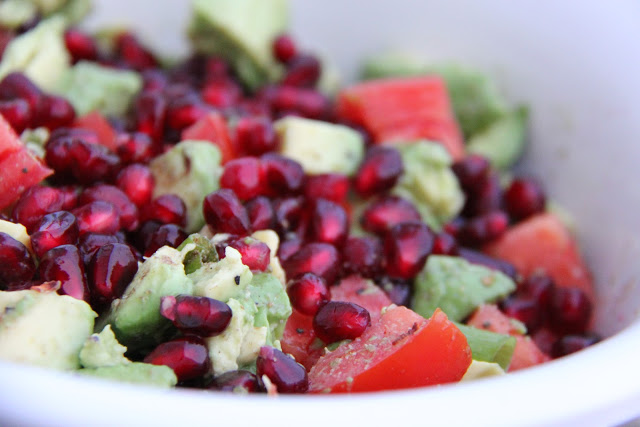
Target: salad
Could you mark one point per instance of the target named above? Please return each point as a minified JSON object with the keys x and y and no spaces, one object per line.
{"x":240,"y":221}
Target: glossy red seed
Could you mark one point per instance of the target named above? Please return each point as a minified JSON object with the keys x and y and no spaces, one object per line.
{"x":289,"y":214}
{"x":86,"y":162}
{"x":89,"y":243}
{"x":283,"y":175}
{"x":308,"y":293}
{"x":54,"y":112}
{"x":215,"y":69}
{"x":475,"y":257}
{"x":484,"y":228}
{"x":570,"y":311}
{"x":330,"y":186}
{"x":135,"y":147}
{"x":444,"y":244}
{"x":225,"y":214}
{"x":17,"y":264}
{"x":406,"y":248}
{"x":64,"y":264}
{"x":523,"y":198}
{"x":282,"y":370}
{"x":362,"y":255}
{"x":221,"y":93}
{"x":255,"y":254}
{"x":255,"y":135}
{"x":245,"y":176}
{"x":17,"y":113}
{"x":133,"y":53}
{"x":54,"y":229}
{"x":304,"y":102}
{"x":154,"y":80}
{"x":97,"y":217}
{"x":142,"y":236}
{"x":167,"y":209}
{"x":150,"y":114}
{"x":238,"y":381}
{"x":202,"y":316}
{"x":399,"y":291}
{"x":70,"y":194}
{"x":36,"y":202}
{"x":471,"y":171}
{"x":302,"y":71}
{"x":289,"y":247}
{"x":17,"y":85}
{"x":137,"y":182}
{"x":188,"y":357}
{"x":487,"y":197}
{"x":538,"y":287}
{"x":111,"y":269}
{"x":329,"y":222}
{"x":164,"y":235}
{"x":526,"y":310}
{"x":185,"y":111}
{"x":321,"y":259}
{"x":379,"y":171}
{"x":80,"y":45}
{"x":572,"y":343}
{"x":284,"y":48}
{"x":127,"y":211}
{"x":386,"y":212}
{"x":337,"y":321}
{"x":261,"y":214}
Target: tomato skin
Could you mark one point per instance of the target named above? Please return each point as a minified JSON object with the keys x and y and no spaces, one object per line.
{"x":96,"y":122}
{"x":212,"y":127}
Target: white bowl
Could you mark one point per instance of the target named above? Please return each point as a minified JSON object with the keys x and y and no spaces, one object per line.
{"x":577,"y":64}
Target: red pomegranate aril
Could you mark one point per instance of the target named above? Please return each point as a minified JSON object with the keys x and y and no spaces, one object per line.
{"x":284,"y":48}
{"x":362,"y":255}
{"x":255,"y":135}
{"x":54,"y":112}
{"x":569,"y":344}
{"x":185,"y":111}
{"x":386,"y":212}
{"x":308,"y":293}
{"x":225,"y":214}
{"x":379,"y":171}
{"x":302,"y":71}
{"x":215,"y":69}
{"x":570,"y":311}
{"x":17,"y":264}
{"x":337,"y":321}
{"x":133,"y":53}
{"x":484,"y":228}
{"x":329,"y":222}
{"x":471,"y":171}
{"x":289,"y":247}
{"x":321,"y":259}
{"x":142,"y":235}
{"x":289,"y":214}
{"x":406,"y":248}
{"x":17,"y":85}
{"x":255,"y":254}
{"x":330,"y":186}
{"x":64,"y":264}
{"x":89,"y":163}
{"x":164,"y":235}
{"x":137,"y":182}
{"x":54,"y":229}
{"x":150,"y":112}
{"x":539,"y":287}
{"x":97,"y":217}
{"x":304,"y":102}
{"x":244,"y":176}
{"x":526,"y":310}
{"x":80,"y":45}
{"x":237,"y":382}
{"x":282,"y":370}
{"x":523,"y":198}
{"x":261,"y":214}
{"x":202,"y":316}
{"x":18,"y":113}
{"x":398,"y":290}
{"x":444,"y":244}
{"x":89,"y":243}
{"x":221,"y":93}
{"x":487,"y":197}
{"x":154,"y":80}
{"x":475,"y":257}
{"x":111,"y":269}
{"x":167,"y":209}
{"x":36,"y":202}
{"x":188,"y":357}
{"x":135,"y":147}
{"x":127,"y":211}
{"x":283,"y":175}
{"x":70,"y":195}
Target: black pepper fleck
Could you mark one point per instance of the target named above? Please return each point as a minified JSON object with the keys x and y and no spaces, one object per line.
{"x":300,"y":330}
{"x":237,"y":280}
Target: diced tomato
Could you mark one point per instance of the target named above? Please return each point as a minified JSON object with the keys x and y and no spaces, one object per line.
{"x":526,"y":353}
{"x":299,"y":340}
{"x":20,"y":170}
{"x":96,"y":122}
{"x":363,"y":292}
{"x":403,"y":110}
{"x":400,"y":350}
{"x":9,"y":141}
{"x":543,"y":244}
{"x":212,"y":127}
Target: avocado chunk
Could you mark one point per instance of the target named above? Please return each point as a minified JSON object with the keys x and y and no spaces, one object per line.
{"x":136,"y":318}
{"x":89,"y":86}
{"x":14,"y":13}
{"x":392,"y":64}
{"x":503,"y":141}
{"x":197,"y":251}
{"x":479,"y":369}
{"x":429,"y":182}
{"x":242,"y":32}
{"x":40,"y":54}
{"x":222,"y":280}
{"x":489,"y":346}
{"x":103,"y":349}
{"x":190,"y":170}
{"x":271,"y":239}
{"x":43,"y":328}
{"x":270,"y":298}
{"x":320,"y":147}
{"x":135,"y":373}
{"x":457,"y":287}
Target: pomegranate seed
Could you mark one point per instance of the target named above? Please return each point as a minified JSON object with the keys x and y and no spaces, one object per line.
{"x":188,"y":357}
{"x":202,"y":316}
{"x":386,"y":212}
{"x":524,"y":198}
{"x":483,"y":229}
{"x":261,"y":214}
{"x":17,"y":264}
{"x":63,"y":263}
{"x":127,"y":211}
{"x":329,"y":222}
{"x":321,"y":259}
{"x":399,"y":291}
{"x":572,"y":343}
{"x":110,"y":271}
{"x":284,"y":48}
{"x":289,"y":213}
{"x":221,"y":93}
{"x":379,"y":171}
{"x":36,"y":202}
{"x":525,"y":310}
{"x":538,"y":287}
{"x":89,"y":243}
{"x":17,"y":85}
{"x":225,"y":214}
{"x":238,"y":381}
{"x":215,"y":69}
{"x":330,"y":186}
{"x":86,"y":135}
{"x":151,"y":110}
{"x":284,"y":372}
{"x":406,"y":248}
{"x":255,"y":135}
{"x":337,"y":321}
{"x":87,"y":162}
{"x":471,"y":171}
{"x":362,"y":255}
{"x":133,"y":53}
{"x":80,"y":45}
{"x":302,"y":71}
{"x":136,"y":181}
{"x":17,"y":113}
{"x":167,"y":209}
{"x":255,"y":254}
{"x":142,"y":236}
{"x":154,"y":80}
{"x":284,"y":175}
{"x":308,"y":293}
{"x":444,"y":244}
{"x":244,"y":176}
{"x":289,"y":247}
{"x":70,"y":195}
{"x":484,"y":199}
{"x":479,"y":258}
{"x":54,"y":112}
{"x":304,"y":102}
{"x":97,"y":217}
{"x":54,"y":229}
{"x":185,"y":111}
{"x":165,"y":235}
{"x":570,"y":310}
{"x":135,"y":147}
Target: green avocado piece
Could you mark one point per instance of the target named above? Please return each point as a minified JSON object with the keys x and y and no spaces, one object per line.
{"x":103,"y":349}
{"x":457,"y":287}
{"x":242,"y":32}
{"x":14,"y":13}
{"x":320,"y":147}
{"x":478,"y":370}
{"x":136,"y":318}
{"x":392,"y":64}
{"x":489,"y":346}
{"x":135,"y":373}
{"x":197,"y":251}
{"x":429,"y":182}
{"x":40,"y":54}
{"x":270,"y":298}
{"x":222,"y":280}
{"x":191,"y":170}
{"x":503,"y":141}
{"x":43,"y":328}
{"x":74,"y":11}
{"x":89,"y":86}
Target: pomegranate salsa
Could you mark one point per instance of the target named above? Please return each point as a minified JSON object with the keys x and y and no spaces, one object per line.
{"x":239,"y":221}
